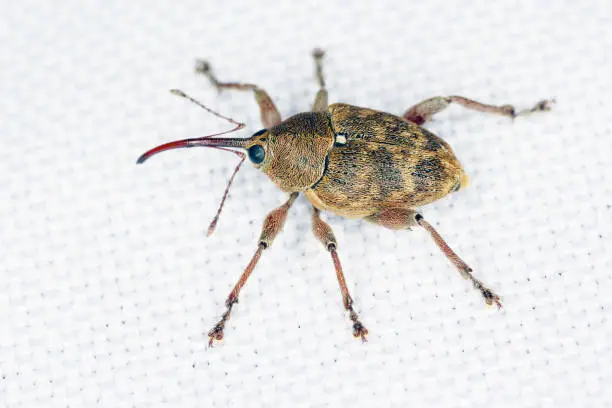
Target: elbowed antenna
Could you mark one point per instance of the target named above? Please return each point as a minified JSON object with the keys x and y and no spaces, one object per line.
{"x":208,"y":141}
{"x":221,"y":143}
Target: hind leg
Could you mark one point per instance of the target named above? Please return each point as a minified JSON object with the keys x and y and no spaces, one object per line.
{"x":423,"y":111}
{"x":270,"y":116}
{"x":405,"y":219}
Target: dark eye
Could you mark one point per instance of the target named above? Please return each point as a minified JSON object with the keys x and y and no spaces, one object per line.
{"x":256,"y":154}
{"x":260,"y":132}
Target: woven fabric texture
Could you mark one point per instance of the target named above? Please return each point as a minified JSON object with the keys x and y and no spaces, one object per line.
{"x":108,"y":283}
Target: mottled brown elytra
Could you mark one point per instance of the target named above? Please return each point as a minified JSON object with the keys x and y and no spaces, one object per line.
{"x":351,"y":161}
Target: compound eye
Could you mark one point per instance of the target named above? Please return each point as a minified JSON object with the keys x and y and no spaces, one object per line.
{"x":257,"y":154}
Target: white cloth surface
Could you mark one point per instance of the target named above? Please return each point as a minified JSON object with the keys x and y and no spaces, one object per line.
{"x":108,"y":284}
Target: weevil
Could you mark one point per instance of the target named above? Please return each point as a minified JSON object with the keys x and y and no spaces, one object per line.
{"x":351,"y":161}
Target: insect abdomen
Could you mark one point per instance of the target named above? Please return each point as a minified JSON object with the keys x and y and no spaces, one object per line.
{"x":384,"y":162}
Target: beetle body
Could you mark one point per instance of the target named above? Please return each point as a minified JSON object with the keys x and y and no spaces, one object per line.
{"x":351,"y":161}
{"x":355,"y":162}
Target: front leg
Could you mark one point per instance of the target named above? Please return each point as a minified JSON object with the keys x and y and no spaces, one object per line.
{"x":270,"y":116}
{"x":272,"y":225}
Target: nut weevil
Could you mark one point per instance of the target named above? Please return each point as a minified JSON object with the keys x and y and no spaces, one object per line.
{"x":351,"y":161}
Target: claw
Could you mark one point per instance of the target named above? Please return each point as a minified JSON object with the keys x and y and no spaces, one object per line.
{"x":544,"y":105}
{"x":318,"y":53}
{"x":215,"y":334}
{"x":491,"y":298}
{"x":360,"y":331}
{"x":202,"y":67}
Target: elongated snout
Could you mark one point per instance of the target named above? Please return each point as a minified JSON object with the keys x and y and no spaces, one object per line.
{"x":202,"y":141}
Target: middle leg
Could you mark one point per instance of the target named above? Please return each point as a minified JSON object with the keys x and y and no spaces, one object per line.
{"x":324,"y":233}
{"x":399,"y":218}
{"x":320,"y":103}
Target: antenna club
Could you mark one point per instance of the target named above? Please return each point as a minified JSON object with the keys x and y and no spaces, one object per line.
{"x":211,"y":227}
{"x":178,"y":92}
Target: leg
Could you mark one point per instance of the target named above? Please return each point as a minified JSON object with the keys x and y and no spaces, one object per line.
{"x":269,"y":113}
{"x":271,"y":227}
{"x":324,"y":233}
{"x":320,"y":103}
{"x":404,"y":219}
{"x":423,"y":111}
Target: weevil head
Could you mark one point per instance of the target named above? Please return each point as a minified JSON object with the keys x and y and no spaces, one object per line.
{"x":293,"y":153}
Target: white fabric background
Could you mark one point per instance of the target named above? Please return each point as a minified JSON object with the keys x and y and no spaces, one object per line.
{"x":108,"y":284}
